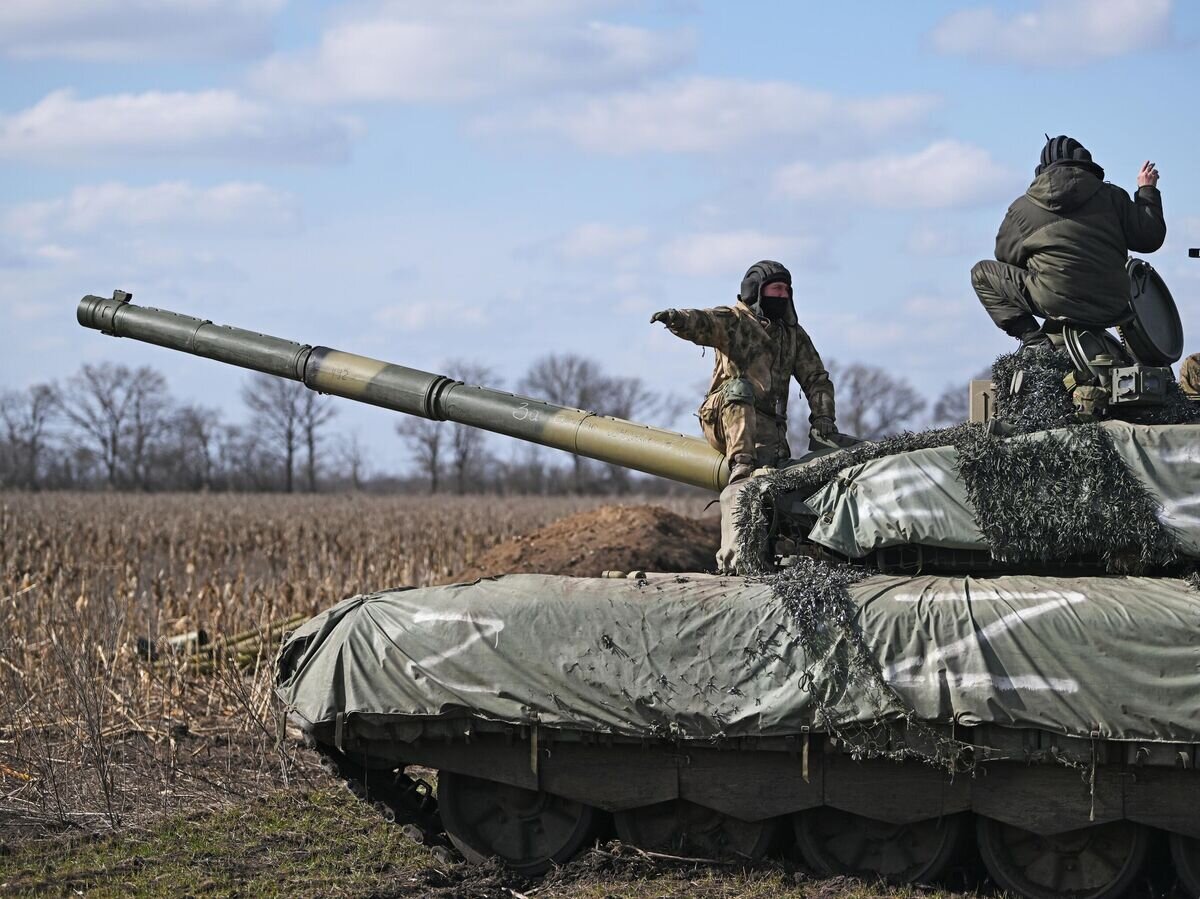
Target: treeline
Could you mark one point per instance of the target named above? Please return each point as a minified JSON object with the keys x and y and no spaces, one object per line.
{"x":110,"y":426}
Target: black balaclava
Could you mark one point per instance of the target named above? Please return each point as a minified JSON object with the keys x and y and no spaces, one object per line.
{"x":1063,"y":150}
{"x":759,"y":276}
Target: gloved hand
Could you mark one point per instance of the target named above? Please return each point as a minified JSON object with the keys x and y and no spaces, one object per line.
{"x":823,"y":433}
{"x":669,"y":317}
{"x":824,"y":425}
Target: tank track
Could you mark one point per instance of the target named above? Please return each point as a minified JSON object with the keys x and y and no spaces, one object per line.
{"x":1121,"y":803}
{"x":406,"y":802}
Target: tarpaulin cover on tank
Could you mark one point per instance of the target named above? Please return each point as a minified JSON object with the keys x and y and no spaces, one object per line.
{"x":703,"y":655}
{"x":913,"y":497}
{"x":917,"y":497}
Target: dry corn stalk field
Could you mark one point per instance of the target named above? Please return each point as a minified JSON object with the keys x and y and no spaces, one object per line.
{"x":102,"y":725}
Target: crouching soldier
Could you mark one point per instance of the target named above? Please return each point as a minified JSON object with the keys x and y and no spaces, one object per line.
{"x":1062,"y":247}
{"x":760,"y":347}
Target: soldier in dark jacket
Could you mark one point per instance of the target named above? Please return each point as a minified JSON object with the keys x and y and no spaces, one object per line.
{"x":1062,"y":247}
{"x":760,"y":347}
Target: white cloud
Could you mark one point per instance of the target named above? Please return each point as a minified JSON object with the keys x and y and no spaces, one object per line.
{"x":946,"y":174}
{"x":30,"y":312}
{"x":596,"y":240}
{"x":1057,"y":32}
{"x":220,"y":124}
{"x":706,"y":115}
{"x":413,"y":53}
{"x":729,"y":253}
{"x":134,"y":30}
{"x":418,"y":315}
{"x":936,"y":241}
{"x":935,"y":307}
{"x":54,"y":253}
{"x":116,"y":208}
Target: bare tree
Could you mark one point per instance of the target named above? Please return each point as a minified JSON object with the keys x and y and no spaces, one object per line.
{"x":26,"y":417}
{"x":565,"y":380}
{"x":116,"y":413}
{"x":149,"y":423}
{"x":427,"y":440}
{"x":315,"y":412}
{"x":276,"y":405}
{"x":628,"y":397}
{"x":580,"y":383}
{"x":871,"y":402}
{"x":197,"y":434}
{"x":352,"y":458}
{"x":243,"y":460}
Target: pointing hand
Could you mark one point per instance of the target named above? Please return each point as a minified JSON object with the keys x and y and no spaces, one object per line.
{"x":668,"y":317}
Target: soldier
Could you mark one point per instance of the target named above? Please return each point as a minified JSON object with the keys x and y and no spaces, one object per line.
{"x":759,"y":347}
{"x":1062,"y":247}
{"x":1189,"y":375}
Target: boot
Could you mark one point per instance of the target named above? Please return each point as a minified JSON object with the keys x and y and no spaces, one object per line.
{"x":741,"y":467}
{"x":1035,"y":339}
{"x":739,"y":471}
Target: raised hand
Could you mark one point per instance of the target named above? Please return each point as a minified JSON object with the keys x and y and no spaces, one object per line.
{"x":1148,"y":175}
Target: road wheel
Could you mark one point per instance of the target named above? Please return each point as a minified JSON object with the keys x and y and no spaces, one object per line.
{"x":837,"y":842}
{"x":1185,"y":853}
{"x":1098,"y":862}
{"x":680,"y":827}
{"x":529,"y":830}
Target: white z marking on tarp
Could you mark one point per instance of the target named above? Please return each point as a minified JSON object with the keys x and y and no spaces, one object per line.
{"x":484,"y":628}
{"x":1173,"y":512}
{"x":989,"y":596}
{"x":1003,"y":683}
{"x":983,"y":635}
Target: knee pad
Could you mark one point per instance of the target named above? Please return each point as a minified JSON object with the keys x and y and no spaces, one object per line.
{"x":977,"y":274}
{"x":738,"y":390}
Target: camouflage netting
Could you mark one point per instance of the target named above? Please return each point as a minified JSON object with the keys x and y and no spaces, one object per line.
{"x":1100,"y":512}
{"x":1062,"y":497}
{"x":824,"y":621}
{"x":1042,"y":401}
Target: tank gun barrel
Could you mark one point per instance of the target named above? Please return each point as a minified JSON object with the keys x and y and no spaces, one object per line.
{"x":688,"y":460}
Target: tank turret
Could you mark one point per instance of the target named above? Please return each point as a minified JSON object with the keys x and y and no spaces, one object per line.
{"x":677,"y":457}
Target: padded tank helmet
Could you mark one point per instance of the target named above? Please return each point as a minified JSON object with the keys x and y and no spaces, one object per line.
{"x":759,"y":276}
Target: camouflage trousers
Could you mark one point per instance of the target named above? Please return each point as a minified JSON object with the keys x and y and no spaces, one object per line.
{"x":1189,"y":375}
{"x":743,"y":434}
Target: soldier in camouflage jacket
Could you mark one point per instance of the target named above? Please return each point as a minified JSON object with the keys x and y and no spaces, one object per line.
{"x":759,"y":347}
{"x":1189,"y":375}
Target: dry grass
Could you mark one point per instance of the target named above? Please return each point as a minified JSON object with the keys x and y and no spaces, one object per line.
{"x":93,"y":735}
{"x":318,"y":843}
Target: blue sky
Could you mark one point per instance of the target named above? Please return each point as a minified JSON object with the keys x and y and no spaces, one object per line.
{"x":495,"y":181}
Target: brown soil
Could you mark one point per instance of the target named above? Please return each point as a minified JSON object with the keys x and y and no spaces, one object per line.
{"x":610,"y":538}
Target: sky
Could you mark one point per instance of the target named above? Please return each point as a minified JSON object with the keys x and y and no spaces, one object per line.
{"x":430,"y":181}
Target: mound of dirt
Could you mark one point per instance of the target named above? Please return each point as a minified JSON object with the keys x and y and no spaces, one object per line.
{"x":610,"y":538}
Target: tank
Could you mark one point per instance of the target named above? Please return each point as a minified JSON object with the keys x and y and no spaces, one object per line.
{"x":977,"y":642}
